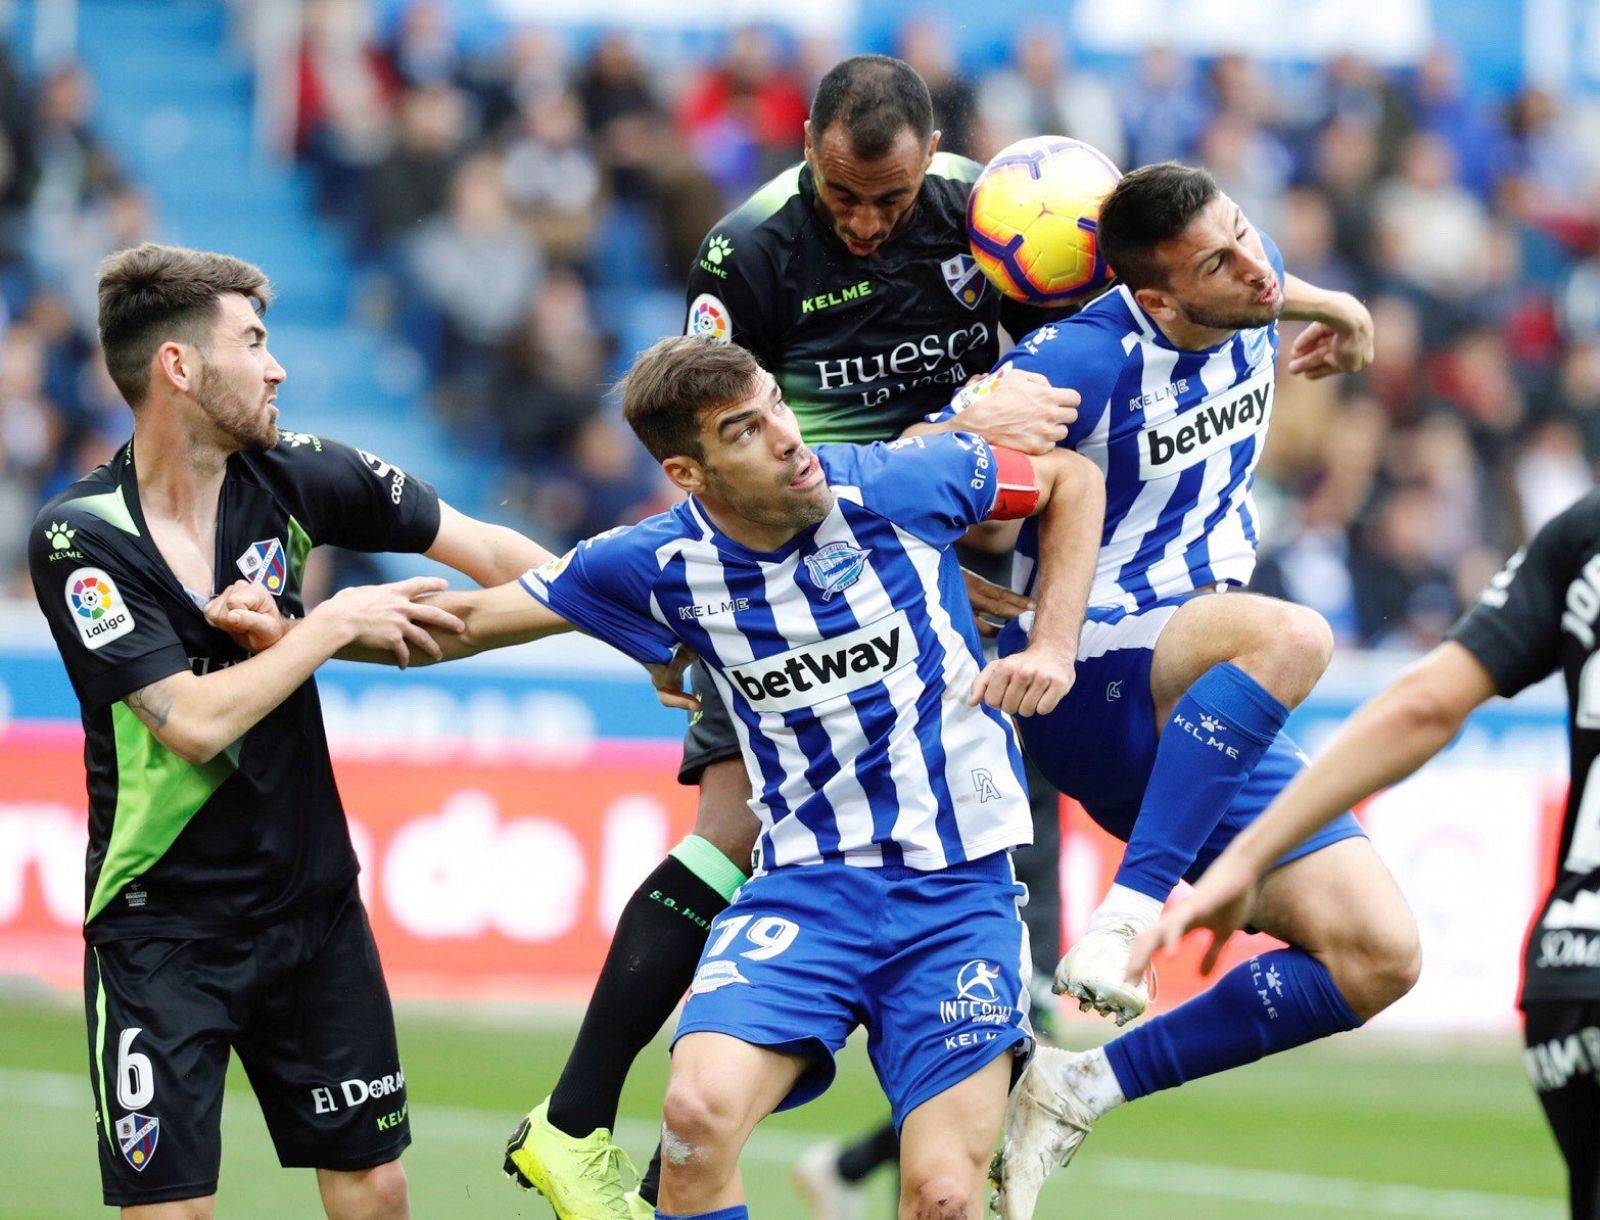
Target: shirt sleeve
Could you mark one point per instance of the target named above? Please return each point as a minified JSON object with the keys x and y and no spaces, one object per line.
{"x":934,"y":486}
{"x":355,"y":499}
{"x":1514,"y":629}
{"x":599,"y":588}
{"x":723,"y":301}
{"x":1065,"y":356}
{"x":110,"y":627}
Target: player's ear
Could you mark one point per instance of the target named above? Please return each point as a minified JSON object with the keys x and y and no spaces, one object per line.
{"x":686,"y":474}
{"x":933,"y":147}
{"x":806,"y":126}
{"x":177,"y":365}
{"x":1156,"y":303}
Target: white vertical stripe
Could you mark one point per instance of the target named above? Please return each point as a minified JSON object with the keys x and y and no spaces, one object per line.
{"x":1152,"y":497}
{"x":971,"y":740}
{"x":1171,"y":572}
{"x":707,"y":586}
{"x":838,"y":721}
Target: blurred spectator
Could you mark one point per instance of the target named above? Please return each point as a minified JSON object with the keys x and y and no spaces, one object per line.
{"x":477,"y":267}
{"x":1440,"y":107}
{"x":550,"y":383}
{"x":552,"y":177}
{"x":1550,"y":472}
{"x":345,"y":95}
{"x":1432,"y":231}
{"x":926,"y":45}
{"x":1162,"y":109}
{"x":412,"y":180}
{"x":1042,"y":95}
{"x":743,"y":117}
{"x":424,"y":48}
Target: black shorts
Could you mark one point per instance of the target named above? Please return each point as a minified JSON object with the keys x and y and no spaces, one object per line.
{"x":710,"y":738}
{"x":304,"y":1004}
{"x":1563,"y":1061}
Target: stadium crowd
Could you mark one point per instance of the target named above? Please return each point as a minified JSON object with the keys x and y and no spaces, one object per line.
{"x":513,"y":216}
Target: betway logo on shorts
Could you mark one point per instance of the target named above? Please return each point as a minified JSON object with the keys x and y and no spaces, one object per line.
{"x":1218,"y":423}
{"x":806,"y":676}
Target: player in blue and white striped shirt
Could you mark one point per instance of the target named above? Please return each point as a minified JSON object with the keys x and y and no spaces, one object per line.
{"x":821,"y":590}
{"x":1172,"y":736}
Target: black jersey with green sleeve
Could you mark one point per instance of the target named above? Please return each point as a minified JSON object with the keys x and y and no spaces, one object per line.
{"x":1541,"y":613}
{"x":181,"y":849}
{"x":862,"y":347}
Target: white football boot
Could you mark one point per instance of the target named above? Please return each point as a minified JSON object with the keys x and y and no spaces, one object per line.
{"x":1046,"y":1123}
{"x":1095,"y":970}
{"x":828,"y":1195}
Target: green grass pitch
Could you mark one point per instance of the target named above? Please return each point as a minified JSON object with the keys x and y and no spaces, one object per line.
{"x":1369,"y":1125}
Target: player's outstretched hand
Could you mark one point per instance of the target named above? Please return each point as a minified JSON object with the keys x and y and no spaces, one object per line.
{"x":1026,"y":683}
{"x":1019,"y":409}
{"x":991,"y":601}
{"x":390,"y":619}
{"x":248,"y":613}
{"x":668,"y":681}
{"x":1321,"y":350}
{"x":1219,"y":902}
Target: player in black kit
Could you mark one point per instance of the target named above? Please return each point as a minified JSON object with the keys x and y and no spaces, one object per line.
{"x":1538,"y":615}
{"x":222,"y":909}
{"x":849,"y":278}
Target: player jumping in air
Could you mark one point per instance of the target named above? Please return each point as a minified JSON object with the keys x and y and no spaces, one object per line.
{"x":849,"y":279}
{"x":222,"y":903}
{"x":821,"y":591}
{"x":1536,"y":617}
{"x":1172,"y":736}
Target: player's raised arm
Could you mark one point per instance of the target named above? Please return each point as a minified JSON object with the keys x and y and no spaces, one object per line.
{"x":486,"y":553}
{"x":1071,"y":510}
{"x":1014,"y":408}
{"x":1388,"y":738}
{"x":198,"y":716}
{"x":1340,"y":337}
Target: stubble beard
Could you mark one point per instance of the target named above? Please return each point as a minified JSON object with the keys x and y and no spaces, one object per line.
{"x":253,"y":429}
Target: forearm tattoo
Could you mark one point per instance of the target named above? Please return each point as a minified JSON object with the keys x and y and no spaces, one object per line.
{"x":152,"y":704}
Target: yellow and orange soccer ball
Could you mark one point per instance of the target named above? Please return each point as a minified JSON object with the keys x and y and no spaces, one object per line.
{"x":1031,"y":219}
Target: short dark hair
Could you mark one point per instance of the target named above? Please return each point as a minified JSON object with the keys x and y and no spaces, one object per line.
{"x":1148,"y":206}
{"x":876,"y":98}
{"x":151,"y":294}
{"x":676,"y":381}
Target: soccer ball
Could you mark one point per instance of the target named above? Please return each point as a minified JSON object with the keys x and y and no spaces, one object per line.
{"x":1031,"y":219}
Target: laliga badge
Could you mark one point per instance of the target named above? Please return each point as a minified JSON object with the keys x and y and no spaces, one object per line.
{"x":263,"y":564}
{"x":136,"y":1136}
{"x":835,"y":567}
{"x":97,"y":608}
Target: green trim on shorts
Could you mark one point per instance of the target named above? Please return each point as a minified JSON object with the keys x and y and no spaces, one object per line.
{"x":701,"y":857}
{"x":100,"y":1045}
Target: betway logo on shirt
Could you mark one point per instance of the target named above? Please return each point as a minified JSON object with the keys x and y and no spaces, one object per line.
{"x":1218,"y":423}
{"x":806,"y":676}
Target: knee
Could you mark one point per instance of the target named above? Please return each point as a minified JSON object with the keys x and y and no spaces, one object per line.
{"x":1293,"y":652}
{"x":723,"y":816}
{"x":1379,"y":967}
{"x":379,"y":1193}
{"x":939,"y":1195}
{"x":698,"y":1129}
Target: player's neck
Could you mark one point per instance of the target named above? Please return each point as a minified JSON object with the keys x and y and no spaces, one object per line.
{"x":180,"y":475}
{"x":751,"y":535}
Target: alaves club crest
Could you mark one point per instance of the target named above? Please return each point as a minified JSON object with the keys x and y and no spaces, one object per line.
{"x":835,"y":567}
{"x":136,"y":1136}
{"x":962,"y":277}
{"x":263,"y":564}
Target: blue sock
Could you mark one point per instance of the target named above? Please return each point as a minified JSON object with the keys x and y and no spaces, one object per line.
{"x":1215,"y":738}
{"x":1268,"y":1004}
{"x":727,"y":1213}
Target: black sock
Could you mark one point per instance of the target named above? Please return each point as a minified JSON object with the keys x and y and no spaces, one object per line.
{"x":648,"y":967}
{"x":650,"y":1184}
{"x":867,"y":1153}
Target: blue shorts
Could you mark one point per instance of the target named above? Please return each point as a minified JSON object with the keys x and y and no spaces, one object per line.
{"x":934,"y":964}
{"x":1099,"y":745}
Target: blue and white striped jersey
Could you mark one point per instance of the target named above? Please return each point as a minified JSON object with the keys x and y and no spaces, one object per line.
{"x":846,"y":657}
{"x":1177,"y":434}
